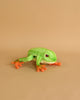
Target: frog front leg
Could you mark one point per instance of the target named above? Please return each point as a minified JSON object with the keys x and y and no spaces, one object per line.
{"x":38,"y":66}
{"x":18,"y":63}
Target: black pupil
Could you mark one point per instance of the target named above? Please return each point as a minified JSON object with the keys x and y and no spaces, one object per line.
{"x":47,"y":55}
{"x":34,"y":56}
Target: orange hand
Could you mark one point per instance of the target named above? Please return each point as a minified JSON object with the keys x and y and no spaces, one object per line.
{"x":17,"y":64}
{"x":41,"y":68}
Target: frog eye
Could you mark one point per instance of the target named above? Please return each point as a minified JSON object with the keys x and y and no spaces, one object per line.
{"x":47,"y":55}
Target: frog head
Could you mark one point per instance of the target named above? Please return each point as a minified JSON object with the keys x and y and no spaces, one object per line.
{"x":49,"y":56}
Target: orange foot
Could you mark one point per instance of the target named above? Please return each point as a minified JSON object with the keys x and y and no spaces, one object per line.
{"x":17,"y":64}
{"x":56,"y":63}
{"x":41,"y":68}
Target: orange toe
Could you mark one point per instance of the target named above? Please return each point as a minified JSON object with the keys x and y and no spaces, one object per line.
{"x":20,"y":65}
{"x":43,"y":65}
{"x":42,"y":70}
{"x":17,"y":67}
{"x":59,"y":64}
{"x":38,"y":70}
{"x":45,"y":68}
{"x":12,"y":62}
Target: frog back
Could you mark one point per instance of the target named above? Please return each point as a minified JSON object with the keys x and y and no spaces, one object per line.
{"x":37,"y":51}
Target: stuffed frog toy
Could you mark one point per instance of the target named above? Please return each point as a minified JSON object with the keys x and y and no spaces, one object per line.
{"x":41,"y":56}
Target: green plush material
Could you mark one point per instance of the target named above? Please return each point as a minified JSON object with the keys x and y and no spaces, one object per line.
{"x":40,"y":55}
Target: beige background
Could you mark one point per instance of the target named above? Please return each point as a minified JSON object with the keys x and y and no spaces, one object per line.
{"x":53,"y":24}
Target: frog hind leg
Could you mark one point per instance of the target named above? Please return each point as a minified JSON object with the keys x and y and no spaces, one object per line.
{"x":18,"y":63}
{"x":56,"y":63}
{"x":25,"y":59}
